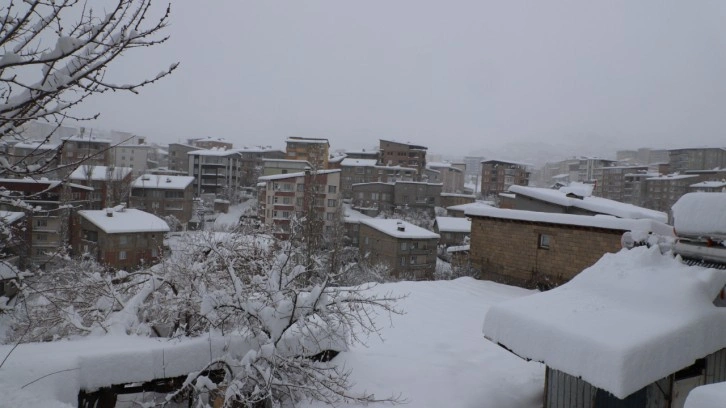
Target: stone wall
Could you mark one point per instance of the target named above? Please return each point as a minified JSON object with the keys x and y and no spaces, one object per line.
{"x":509,"y":251}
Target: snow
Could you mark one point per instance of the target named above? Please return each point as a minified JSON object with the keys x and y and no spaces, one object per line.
{"x":390,"y":227}
{"x":594,"y":204}
{"x":596,"y":221}
{"x":458,"y":195}
{"x":128,"y":220}
{"x":516,"y":163}
{"x":37,"y":145}
{"x":163,"y":182}
{"x":700,"y":214}
{"x":307,"y":140}
{"x":9,"y":217}
{"x":435,"y":355}
{"x":352,"y":216}
{"x":578,"y":189}
{"x":631,"y":319}
{"x":453,"y":224}
{"x":707,"y":396}
{"x":709,"y":184}
{"x":293,"y":175}
{"x":348,"y":162}
{"x":474,"y":205}
{"x":99,"y":173}
{"x":231,"y":218}
{"x":671,"y":177}
{"x":81,"y":138}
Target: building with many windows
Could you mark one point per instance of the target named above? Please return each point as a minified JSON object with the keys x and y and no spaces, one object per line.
{"x":313,"y":150}
{"x":498,"y":175}
{"x":216,"y":171}
{"x":164,"y":196}
{"x":394,"y":153}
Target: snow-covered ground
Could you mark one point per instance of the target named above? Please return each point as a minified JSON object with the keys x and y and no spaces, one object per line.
{"x":434,"y":355}
{"x":225,"y":222}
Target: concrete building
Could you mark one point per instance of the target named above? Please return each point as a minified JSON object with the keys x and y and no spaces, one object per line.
{"x":403,"y":154}
{"x":452,"y":230}
{"x":448,"y":174}
{"x":450,"y":199}
{"x":271,"y":167}
{"x":408,"y":250}
{"x":111,"y":185}
{"x":120,"y":237}
{"x":86,"y":149}
{"x":140,"y":157}
{"x":251,"y":162}
{"x":612,"y":183}
{"x":708,"y":187}
{"x":178,"y":156}
{"x":210,"y":143}
{"x":216,"y":171}
{"x":701,"y":158}
{"x":43,"y":154}
{"x":164,"y":196}
{"x":313,"y":150}
{"x":356,"y":171}
{"x":499,"y":175}
{"x":286,"y":196}
{"x":661,"y":192}
{"x":473,"y":165}
{"x":373,"y":198}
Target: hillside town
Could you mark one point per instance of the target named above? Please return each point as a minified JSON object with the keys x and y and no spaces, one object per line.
{"x":505,"y":204}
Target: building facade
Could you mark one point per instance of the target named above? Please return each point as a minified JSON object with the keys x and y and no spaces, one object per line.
{"x":164,"y":196}
{"x":498,"y":175}
{"x":403,"y":154}
{"x":313,"y":150}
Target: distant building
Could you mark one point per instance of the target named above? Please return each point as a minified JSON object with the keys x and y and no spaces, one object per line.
{"x":216,"y":171}
{"x":139,"y":157}
{"x":452,"y":230}
{"x":43,"y":154}
{"x":120,"y":237}
{"x":164,"y":196}
{"x":403,"y":154}
{"x":499,"y":175}
{"x":178,"y":158}
{"x":313,"y":150}
{"x":252,"y":162}
{"x":111,"y":185}
{"x":661,"y":192}
{"x":706,"y":158}
{"x":284,"y":197}
{"x":210,"y":143}
{"x":85,"y":149}
{"x":613,"y":183}
{"x":356,"y":171}
{"x":473,"y":165}
{"x":708,"y":187}
{"x":373,"y":198}
{"x":408,"y":250}
{"x":448,"y":174}
{"x":450,"y":199}
{"x":271,"y":167}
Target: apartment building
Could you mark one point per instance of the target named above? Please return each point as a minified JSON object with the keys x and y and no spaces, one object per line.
{"x":85,"y":149}
{"x":271,"y":167}
{"x":210,"y":143}
{"x":119,"y":237}
{"x":448,"y":174}
{"x":373,"y":198}
{"x":283,"y":197}
{"x":313,"y":150}
{"x":178,"y":156}
{"x":252,"y":161}
{"x":498,"y":175}
{"x":612,"y":181}
{"x":394,"y":153}
{"x":473,"y":165}
{"x":43,"y":154}
{"x":702,"y":158}
{"x":408,"y":250}
{"x":356,"y":171}
{"x":661,"y":192}
{"x":216,"y":171}
{"x":164,"y":196}
{"x":111,"y":185}
{"x":138,"y":157}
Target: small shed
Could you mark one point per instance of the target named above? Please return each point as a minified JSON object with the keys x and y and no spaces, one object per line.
{"x":637,"y":329}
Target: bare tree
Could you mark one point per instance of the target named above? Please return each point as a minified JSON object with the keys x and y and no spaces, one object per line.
{"x":41,"y":82}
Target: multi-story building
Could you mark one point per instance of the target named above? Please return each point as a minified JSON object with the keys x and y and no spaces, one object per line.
{"x":216,"y":171}
{"x":271,"y":167}
{"x":373,"y":198}
{"x":111,"y":185}
{"x":448,"y":174}
{"x":313,"y":193}
{"x":120,"y":237}
{"x":708,"y":187}
{"x":313,"y":150}
{"x":210,"y":143}
{"x":703,"y":158}
{"x":164,"y":196}
{"x":139,"y":157}
{"x":662,"y":192}
{"x":50,"y":207}
{"x":473,"y":165}
{"x":178,"y":156}
{"x":251,"y":162}
{"x":85,"y":149}
{"x":355,"y":171}
{"x":44,"y":155}
{"x":453,"y":230}
{"x":408,"y":250}
{"x":612,"y":181}
{"x":498,"y":175}
{"x":403,"y":154}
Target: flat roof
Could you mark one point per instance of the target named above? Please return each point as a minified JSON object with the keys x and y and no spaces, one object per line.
{"x":390,"y":227}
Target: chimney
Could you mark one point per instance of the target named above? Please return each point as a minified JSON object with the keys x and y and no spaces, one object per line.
{"x":168,"y":179}
{"x":109,"y":212}
{"x":400,"y":226}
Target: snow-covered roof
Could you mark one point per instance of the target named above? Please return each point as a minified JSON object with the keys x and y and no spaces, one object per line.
{"x":672,"y":177}
{"x":50,"y":184}
{"x":9,"y":217}
{"x":89,"y":138}
{"x":390,"y":227}
{"x":307,"y":140}
{"x":215,"y":151}
{"x":100,"y":173}
{"x":700,"y":214}
{"x":593,"y":204}
{"x":37,"y":145}
{"x":592,"y":221}
{"x":124,"y":221}
{"x":707,"y":396}
{"x":631,"y":319}
{"x":465,"y":207}
{"x":458,"y":195}
{"x":371,"y":183}
{"x":709,"y":184}
{"x":286,"y":161}
{"x":162,"y":182}
{"x":517,"y":163}
{"x":352,"y":216}
{"x":293,"y":175}
{"x":348,"y":162}
{"x":396,"y":168}
{"x":458,"y":248}
{"x":453,"y":224}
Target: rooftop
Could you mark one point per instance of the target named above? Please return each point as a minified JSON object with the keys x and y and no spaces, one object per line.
{"x":390,"y":227}
{"x":348,"y":162}
{"x":700,"y":214}
{"x":293,"y":175}
{"x":124,"y":220}
{"x":162,"y":182}
{"x":453,"y":224}
{"x":593,"y":204}
{"x":99,"y":173}
{"x":631,"y":319}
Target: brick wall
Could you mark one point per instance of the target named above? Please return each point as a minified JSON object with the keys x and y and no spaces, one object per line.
{"x":508,"y":251}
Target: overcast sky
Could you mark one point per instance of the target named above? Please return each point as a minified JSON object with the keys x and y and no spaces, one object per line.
{"x":456,"y":76}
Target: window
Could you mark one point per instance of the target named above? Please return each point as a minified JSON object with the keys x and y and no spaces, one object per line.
{"x":332,"y":189}
{"x":123,"y":239}
{"x":154,"y":252}
{"x":374,"y":196}
{"x":155,"y":205}
{"x":404,"y":246}
{"x":403,"y":261}
{"x":121,"y":255}
{"x":413,"y":260}
{"x":41,"y":223}
{"x":544,"y":241}
{"x":286,"y":214}
{"x":332,"y":202}
{"x":286,"y":200}
{"x":366,"y":241}
{"x":330,"y":216}
{"x":299,"y":201}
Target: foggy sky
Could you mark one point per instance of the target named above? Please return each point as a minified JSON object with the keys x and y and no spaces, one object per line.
{"x":456,"y":76}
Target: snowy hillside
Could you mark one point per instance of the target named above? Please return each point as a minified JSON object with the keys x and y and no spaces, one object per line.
{"x":434,"y":355}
